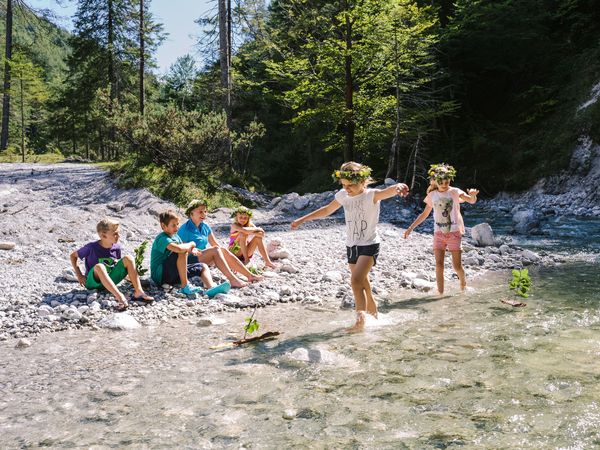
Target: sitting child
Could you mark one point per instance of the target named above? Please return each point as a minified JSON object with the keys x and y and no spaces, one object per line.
{"x":197,"y":231}
{"x":104,"y":267}
{"x":244,"y":237}
{"x":169,"y":260}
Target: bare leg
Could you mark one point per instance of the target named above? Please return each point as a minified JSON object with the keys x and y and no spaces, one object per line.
{"x":206,"y":278}
{"x":134,"y":278}
{"x":236,"y":265}
{"x":216,"y":256}
{"x":102,"y":275}
{"x":458,"y":268}
{"x":439,"y":269}
{"x":262,"y":249}
{"x":182,"y":268}
{"x":361,"y":288}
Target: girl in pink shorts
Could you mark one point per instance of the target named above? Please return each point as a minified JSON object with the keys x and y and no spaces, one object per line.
{"x":448,"y":226}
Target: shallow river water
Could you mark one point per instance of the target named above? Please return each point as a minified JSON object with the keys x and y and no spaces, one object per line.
{"x":458,"y":372}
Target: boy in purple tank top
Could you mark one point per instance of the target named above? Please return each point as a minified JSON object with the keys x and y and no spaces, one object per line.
{"x":104,"y":266}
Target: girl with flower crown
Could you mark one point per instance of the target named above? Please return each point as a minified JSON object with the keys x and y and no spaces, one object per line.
{"x":361,"y":211}
{"x":244,"y":237}
{"x":448,"y":225}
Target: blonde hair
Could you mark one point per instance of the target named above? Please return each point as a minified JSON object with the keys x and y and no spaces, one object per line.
{"x":165,"y":217}
{"x":245,"y":211}
{"x":106,"y":225}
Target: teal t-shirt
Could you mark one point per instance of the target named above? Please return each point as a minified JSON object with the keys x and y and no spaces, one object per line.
{"x":159,"y":254}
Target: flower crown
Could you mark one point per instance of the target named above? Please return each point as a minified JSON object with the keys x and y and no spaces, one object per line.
{"x":195,"y":204}
{"x":441,"y":171}
{"x":242,"y":210}
{"x":355,"y":176}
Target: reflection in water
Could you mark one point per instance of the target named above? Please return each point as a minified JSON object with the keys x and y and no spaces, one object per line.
{"x":460,"y":371}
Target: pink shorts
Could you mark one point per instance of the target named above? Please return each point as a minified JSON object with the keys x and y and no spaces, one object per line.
{"x":450,"y":240}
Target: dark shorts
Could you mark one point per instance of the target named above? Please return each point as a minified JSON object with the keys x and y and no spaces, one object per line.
{"x":170,"y":273}
{"x":357,"y":250}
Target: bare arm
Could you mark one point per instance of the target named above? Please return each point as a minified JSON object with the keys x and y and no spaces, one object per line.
{"x":470,"y":196}
{"x":324,"y":211}
{"x":420,"y":218}
{"x":74,"y":259}
{"x":181,"y":248}
{"x":248,"y":231}
{"x":395,"y":189}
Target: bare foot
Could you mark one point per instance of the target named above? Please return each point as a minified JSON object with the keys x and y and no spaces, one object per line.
{"x":359,"y":325}
{"x":254,"y":278}
{"x":270,"y":265}
{"x":237,"y":283}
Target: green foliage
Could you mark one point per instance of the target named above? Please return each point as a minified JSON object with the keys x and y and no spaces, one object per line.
{"x":252,"y":324}
{"x":520,"y":283}
{"x":139,"y":258}
{"x":254,"y":270}
{"x":235,"y":248}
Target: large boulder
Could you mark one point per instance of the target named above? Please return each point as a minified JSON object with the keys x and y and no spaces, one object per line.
{"x":526,"y":221}
{"x":483,"y":235}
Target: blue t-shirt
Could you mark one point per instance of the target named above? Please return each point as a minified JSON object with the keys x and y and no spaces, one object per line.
{"x":93,"y":253}
{"x":160,"y":253}
{"x":189,"y":232}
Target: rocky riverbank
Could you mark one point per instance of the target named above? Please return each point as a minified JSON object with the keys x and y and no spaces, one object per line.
{"x":47,"y":211}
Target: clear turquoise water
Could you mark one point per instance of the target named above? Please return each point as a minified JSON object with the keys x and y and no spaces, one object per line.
{"x":460,"y":372}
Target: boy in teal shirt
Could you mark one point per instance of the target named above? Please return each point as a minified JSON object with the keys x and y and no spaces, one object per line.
{"x":168,"y":260}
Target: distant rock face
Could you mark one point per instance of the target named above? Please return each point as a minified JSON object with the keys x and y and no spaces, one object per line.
{"x":483,"y":235}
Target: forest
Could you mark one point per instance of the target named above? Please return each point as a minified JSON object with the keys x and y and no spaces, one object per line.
{"x":289,"y":89}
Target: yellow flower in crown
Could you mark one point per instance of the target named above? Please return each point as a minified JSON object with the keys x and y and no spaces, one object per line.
{"x":353,"y":176}
{"x":441,"y":171}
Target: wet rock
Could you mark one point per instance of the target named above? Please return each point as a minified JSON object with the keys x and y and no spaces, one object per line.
{"x":289,"y":414}
{"x":526,"y":221}
{"x":119,"y":321}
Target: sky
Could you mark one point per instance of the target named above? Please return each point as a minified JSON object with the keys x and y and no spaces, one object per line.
{"x":177,"y":17}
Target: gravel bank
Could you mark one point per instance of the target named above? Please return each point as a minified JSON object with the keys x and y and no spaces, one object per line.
{"x":47,"y":211}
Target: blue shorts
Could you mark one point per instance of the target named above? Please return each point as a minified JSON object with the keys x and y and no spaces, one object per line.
{"x":357,"y":250}
{"x":171,"y":274}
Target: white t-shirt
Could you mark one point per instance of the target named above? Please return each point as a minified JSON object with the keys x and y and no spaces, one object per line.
{"x":446,"y":210}
{"x":362,"y":216}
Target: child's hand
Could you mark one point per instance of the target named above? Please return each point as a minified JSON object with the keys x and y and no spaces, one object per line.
{"x":295,"y":224}
{"x":406,"y":233}
{"x":473,"y":192}
{"x":402,"y":189}
{"x":80,"y":278}
{"x":196,"y":252}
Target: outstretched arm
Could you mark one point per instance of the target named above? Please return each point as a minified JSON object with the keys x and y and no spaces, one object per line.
{"x":420,"y":218}
{"x":325,"y":211}
{"x":395,"y":189}
{"x":470,"y":196}
{"x":74,"y":259}
{"x":181,"y":248}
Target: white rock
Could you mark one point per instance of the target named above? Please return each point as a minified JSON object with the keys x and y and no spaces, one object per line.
{"x":228,"y":299}
{"x":531,"y":256}
{"x":119,"y":321}
{"x":422,"y":285}
{"x":23,"y":343}
{"x":45,"y":310}
{"x":289,"y":414}
{"x":69,"y":275}
{"x":334,"y":276}
{"x":482,"y":234}
{"x":115,"y":206}
{"x":281,"y":253}
{"x":504,"y":249}
{"x":5,"y":245}
{"x":289,"y":268}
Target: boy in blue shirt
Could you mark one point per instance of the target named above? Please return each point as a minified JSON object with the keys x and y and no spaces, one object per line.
{"x":169,"y":260}
{"x":104,"y":267}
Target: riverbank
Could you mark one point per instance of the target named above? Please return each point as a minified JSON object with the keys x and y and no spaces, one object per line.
{"x":48,"y":211}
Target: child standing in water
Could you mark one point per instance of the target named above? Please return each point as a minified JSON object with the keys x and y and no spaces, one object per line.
{"x":448,"y":226}
{"x":244,"y":237}
{"x":361,"y":211}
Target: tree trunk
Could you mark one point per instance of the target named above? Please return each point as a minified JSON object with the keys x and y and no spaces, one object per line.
{"x":224,"y":52}
{"x":142,"y":57}
{"x":22,"y":119}
{"x":7,"y":58}
{"x":111,"y":72}
{"x":393,"y":169}
{"x":350,"y":126}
